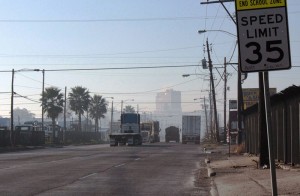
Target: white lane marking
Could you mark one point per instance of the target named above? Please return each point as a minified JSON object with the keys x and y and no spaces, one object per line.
{"x":87,"y":176}
{"x":137,"y":159}
{"x":120,"y":165}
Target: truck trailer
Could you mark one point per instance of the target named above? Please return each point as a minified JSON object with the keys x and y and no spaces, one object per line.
{"x":172,"y":134}
{"x":191,"y":129}
{"x":130,"y":132}
{"x":150,"y":131}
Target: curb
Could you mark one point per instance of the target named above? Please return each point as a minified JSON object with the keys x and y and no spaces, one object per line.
{"x":210,"y":172}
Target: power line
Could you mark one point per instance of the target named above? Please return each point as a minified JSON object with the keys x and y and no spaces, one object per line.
{"x":109,"y":20}
{"x":25,"y":97}
{"x":109,"y":54}
{"x":111,"y":68}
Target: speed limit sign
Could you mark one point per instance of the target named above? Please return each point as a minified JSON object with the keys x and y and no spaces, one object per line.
{"x":263,"y":35}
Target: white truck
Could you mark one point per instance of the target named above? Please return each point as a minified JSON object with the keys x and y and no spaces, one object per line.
{"x":191,"y":127}
{"x":130,"y":132}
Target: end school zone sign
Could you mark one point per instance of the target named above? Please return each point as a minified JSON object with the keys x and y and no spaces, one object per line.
{"x":263,"y":35}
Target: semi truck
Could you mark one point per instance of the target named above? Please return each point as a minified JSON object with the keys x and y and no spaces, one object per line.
{"x":191,"y":129}
{"x":172,"y":134}
{"x":129,"y":133}
{"x":150,"y":130}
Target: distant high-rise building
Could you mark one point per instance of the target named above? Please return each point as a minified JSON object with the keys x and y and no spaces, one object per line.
{"x":168,"y":102}
{"x":168,"y":110}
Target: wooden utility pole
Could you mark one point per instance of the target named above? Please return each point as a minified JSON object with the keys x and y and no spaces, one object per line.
{"x":112,"y":115}
{"x":65,"y":115}
{"x":213,"y":93}
{"x":225,"y":98}
{"x":43,"y":94}
{"x":205,"y":116}
{"x":12,"y":110}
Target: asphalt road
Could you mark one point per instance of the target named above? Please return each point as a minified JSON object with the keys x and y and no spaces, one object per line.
{"x":151,"y":169}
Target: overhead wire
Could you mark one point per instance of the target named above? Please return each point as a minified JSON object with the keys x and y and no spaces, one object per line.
{"x":111,"y":68}
{"x":107,"y":20}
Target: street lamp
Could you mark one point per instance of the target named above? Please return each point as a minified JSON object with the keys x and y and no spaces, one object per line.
{"x":204,"y":31}
{"x":187,"y":75}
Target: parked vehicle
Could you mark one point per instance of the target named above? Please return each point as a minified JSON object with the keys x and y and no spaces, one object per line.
{"x":191,"y":126}
{"x":130,"y":131}
{"x":28,"y":134}
{"x":152,"y":127}
{"x":172,"y":134}
{"x":145,"y":136}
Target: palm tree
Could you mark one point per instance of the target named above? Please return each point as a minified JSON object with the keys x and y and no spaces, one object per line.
{"x":98,"y":107}
{"x":52,"y":103}
{"x":129,"y":109}
{"x":79,"y":100}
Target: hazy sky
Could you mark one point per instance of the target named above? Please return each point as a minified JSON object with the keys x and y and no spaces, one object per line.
{"x":71,"y":34}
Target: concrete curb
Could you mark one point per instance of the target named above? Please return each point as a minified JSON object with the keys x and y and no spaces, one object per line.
{"x":207,"y":161}
{"x":210,"y":172}
{"x":214,"y":190}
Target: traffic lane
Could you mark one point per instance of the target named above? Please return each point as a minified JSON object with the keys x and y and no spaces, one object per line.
{"x":167,"y":170}
{"x":27,"y":178}
{"x":19,"y":158}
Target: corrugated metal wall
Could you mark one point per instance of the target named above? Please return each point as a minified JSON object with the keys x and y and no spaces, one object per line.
{"x":285,"y":126}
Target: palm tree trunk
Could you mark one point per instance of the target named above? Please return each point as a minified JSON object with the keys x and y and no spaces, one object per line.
{"x":100,"y":124}
{"x":53,"y":130}
{"x":79,"y":123}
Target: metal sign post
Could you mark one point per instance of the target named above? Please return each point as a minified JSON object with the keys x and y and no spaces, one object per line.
{"x":269,"y":132}
{"x":264,"y":46}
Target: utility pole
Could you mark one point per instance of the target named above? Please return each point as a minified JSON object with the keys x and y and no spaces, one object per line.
{"x":12,"y":109}
{"x":65,"y":117}
{"x":205,"y":116}
{"x":239,"y":86}
{"x":213,"y":93}
{"x":210,"y":112}
{"x":43,"y":95}
{"x":112,"y":115}
{"x":225,"y":98}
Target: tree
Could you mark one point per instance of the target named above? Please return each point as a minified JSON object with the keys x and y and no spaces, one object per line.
{"x":79,"y":100}
{"x":129,"y":109}
{"x":98,"y":107}
{"x":22,"y":115}
{"x":52,"y":103}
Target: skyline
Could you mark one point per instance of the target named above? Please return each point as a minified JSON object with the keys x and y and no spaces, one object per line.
{"x":113,"y":34}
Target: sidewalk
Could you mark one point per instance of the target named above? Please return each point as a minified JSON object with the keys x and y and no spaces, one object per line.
{"x":238,"y":175}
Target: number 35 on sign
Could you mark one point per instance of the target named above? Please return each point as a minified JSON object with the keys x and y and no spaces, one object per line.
{"x":263,"y":35}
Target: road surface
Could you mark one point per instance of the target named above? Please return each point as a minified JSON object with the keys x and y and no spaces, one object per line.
{"x":151,"y":169}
